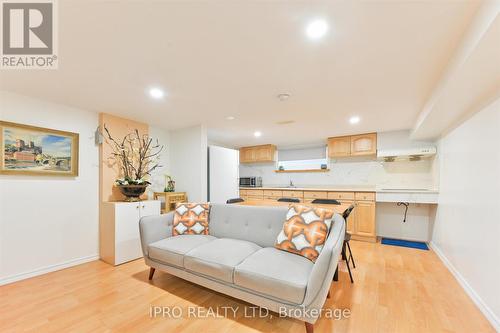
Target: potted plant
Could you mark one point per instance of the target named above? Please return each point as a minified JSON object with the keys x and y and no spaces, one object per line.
{"x":136,"y":156}
{"x":169,"y":184}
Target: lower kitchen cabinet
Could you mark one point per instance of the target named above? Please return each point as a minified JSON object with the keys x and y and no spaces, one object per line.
{"x":351,"y":220}
{"x":360,"y":224}
{"x":364,"y":221}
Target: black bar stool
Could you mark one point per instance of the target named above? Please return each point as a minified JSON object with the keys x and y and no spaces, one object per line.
{"x":347,"y":236}
{"x":326,"y":202}
{"x":295,"y":200}
{"x":235,"y":200}
{"x":346,"y":245}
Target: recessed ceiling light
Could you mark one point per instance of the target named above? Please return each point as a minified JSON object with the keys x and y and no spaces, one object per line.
{"x":283,"y":96}
{"x":156,"y":93}
{"x":354,"y":120}
{"x":316,"y":29}
{"x":257,"y":134}
{"x":230,"y":118}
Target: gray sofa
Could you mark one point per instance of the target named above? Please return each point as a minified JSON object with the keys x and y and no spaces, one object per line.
{"x":238,"y":258}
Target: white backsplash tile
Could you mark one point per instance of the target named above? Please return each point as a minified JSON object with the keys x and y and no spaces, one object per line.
{"x":417,"y":174}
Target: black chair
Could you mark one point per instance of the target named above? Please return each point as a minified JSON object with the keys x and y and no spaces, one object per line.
{"x":235,"y":200}
{"x":347,"y":236}
{"x":295,"y":200}
{"x":346,"y":245}
{"x":326,"y":202}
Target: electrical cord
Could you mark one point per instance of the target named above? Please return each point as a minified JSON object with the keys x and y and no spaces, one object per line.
{"x":406,"y":204}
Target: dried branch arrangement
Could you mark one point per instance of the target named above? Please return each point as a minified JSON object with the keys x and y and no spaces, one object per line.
{"x":136,"y":155}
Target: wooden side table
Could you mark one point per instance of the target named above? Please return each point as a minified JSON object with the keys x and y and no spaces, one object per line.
{"x":170,"y":199}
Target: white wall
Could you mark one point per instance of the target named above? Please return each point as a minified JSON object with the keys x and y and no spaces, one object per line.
{"x":47,"y":223}
{"x":157,"y":178}
{"x":467,"y":222}
{"x":188,"y":157}
{"x":418,"y":225}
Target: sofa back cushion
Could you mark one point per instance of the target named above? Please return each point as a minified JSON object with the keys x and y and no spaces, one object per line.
{"x":258,"y":224}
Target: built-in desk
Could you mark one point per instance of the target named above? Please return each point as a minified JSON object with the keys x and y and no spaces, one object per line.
{"x":418,"y":225}
{"x":407,"y":195}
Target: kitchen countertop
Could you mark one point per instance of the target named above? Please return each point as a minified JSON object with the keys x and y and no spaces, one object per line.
{"x":314,"y":188}
{"x":352,"y":188}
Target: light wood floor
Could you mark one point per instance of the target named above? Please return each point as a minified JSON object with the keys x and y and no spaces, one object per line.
{"x":395,"y":290}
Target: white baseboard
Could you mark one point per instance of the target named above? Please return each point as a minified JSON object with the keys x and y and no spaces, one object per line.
{"x":47,"y":269}
{"x":483,"y":307}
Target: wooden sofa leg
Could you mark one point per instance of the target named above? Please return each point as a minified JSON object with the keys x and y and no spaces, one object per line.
{"x":151,"y":272}
{"x":309,"y":327}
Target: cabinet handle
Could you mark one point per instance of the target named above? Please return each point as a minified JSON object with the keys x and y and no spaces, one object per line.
{"x":137,"y":207}
{"x":143,"y":206}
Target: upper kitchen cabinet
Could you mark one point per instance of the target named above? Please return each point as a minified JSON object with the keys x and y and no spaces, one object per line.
{"x":247,"y":155}
{"x":364,"y":144}
{"x":258,"y":154}
{"x":339,"y":146}
{"x":355,"y":145}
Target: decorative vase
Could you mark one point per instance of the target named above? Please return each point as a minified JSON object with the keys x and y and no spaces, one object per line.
{"x":132,"y":192}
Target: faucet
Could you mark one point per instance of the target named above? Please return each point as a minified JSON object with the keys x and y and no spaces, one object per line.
{"x":291,"y":184}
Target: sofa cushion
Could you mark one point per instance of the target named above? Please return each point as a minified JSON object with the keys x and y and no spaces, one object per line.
{"x":305,"y":231}
{"x":256,"y":224}
{"x":191,"y":219}
{"x":171,"y":250}
{"x":218,"y":258}
{"x":276,"y":273}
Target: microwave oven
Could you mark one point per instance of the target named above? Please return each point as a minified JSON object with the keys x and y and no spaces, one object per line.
{"x":251,"y":181}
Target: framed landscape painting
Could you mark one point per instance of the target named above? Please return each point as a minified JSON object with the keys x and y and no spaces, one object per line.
{"x":30,"y":150}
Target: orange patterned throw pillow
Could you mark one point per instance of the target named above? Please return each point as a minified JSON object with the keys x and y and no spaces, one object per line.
{"x":305,"y":231}
{"x":191,"y":219}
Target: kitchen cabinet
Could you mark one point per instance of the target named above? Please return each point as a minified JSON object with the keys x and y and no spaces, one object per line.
{"x":311,"y":195}
{"x":360,"y":224}
{"x":247,"y":155}
{"x":119,"y":239}
{"x":258,"y":154}
{"x":354,"y":145}
{"x":252,"y":194}
{"x":364,"y":144}
{"x":272,"y":194}
{"x":351,"y":220}
{"x":365,"y":220}
{"x":341,"y":195}
{"x":365,"y":196}
{"x":339,"y":146}
{"x":293,"y":194}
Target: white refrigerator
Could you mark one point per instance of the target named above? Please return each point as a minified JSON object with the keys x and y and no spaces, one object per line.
{"x":223,"y":174}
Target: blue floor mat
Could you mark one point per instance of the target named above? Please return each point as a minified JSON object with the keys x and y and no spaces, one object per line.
{"x":404,"y":243}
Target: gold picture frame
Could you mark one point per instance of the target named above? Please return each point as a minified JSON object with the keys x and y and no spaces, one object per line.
{"x":31,"y":150}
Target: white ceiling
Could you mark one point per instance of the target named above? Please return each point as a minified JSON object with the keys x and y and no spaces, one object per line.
{"x":380,"y":60}
{"x":471,"y":81}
